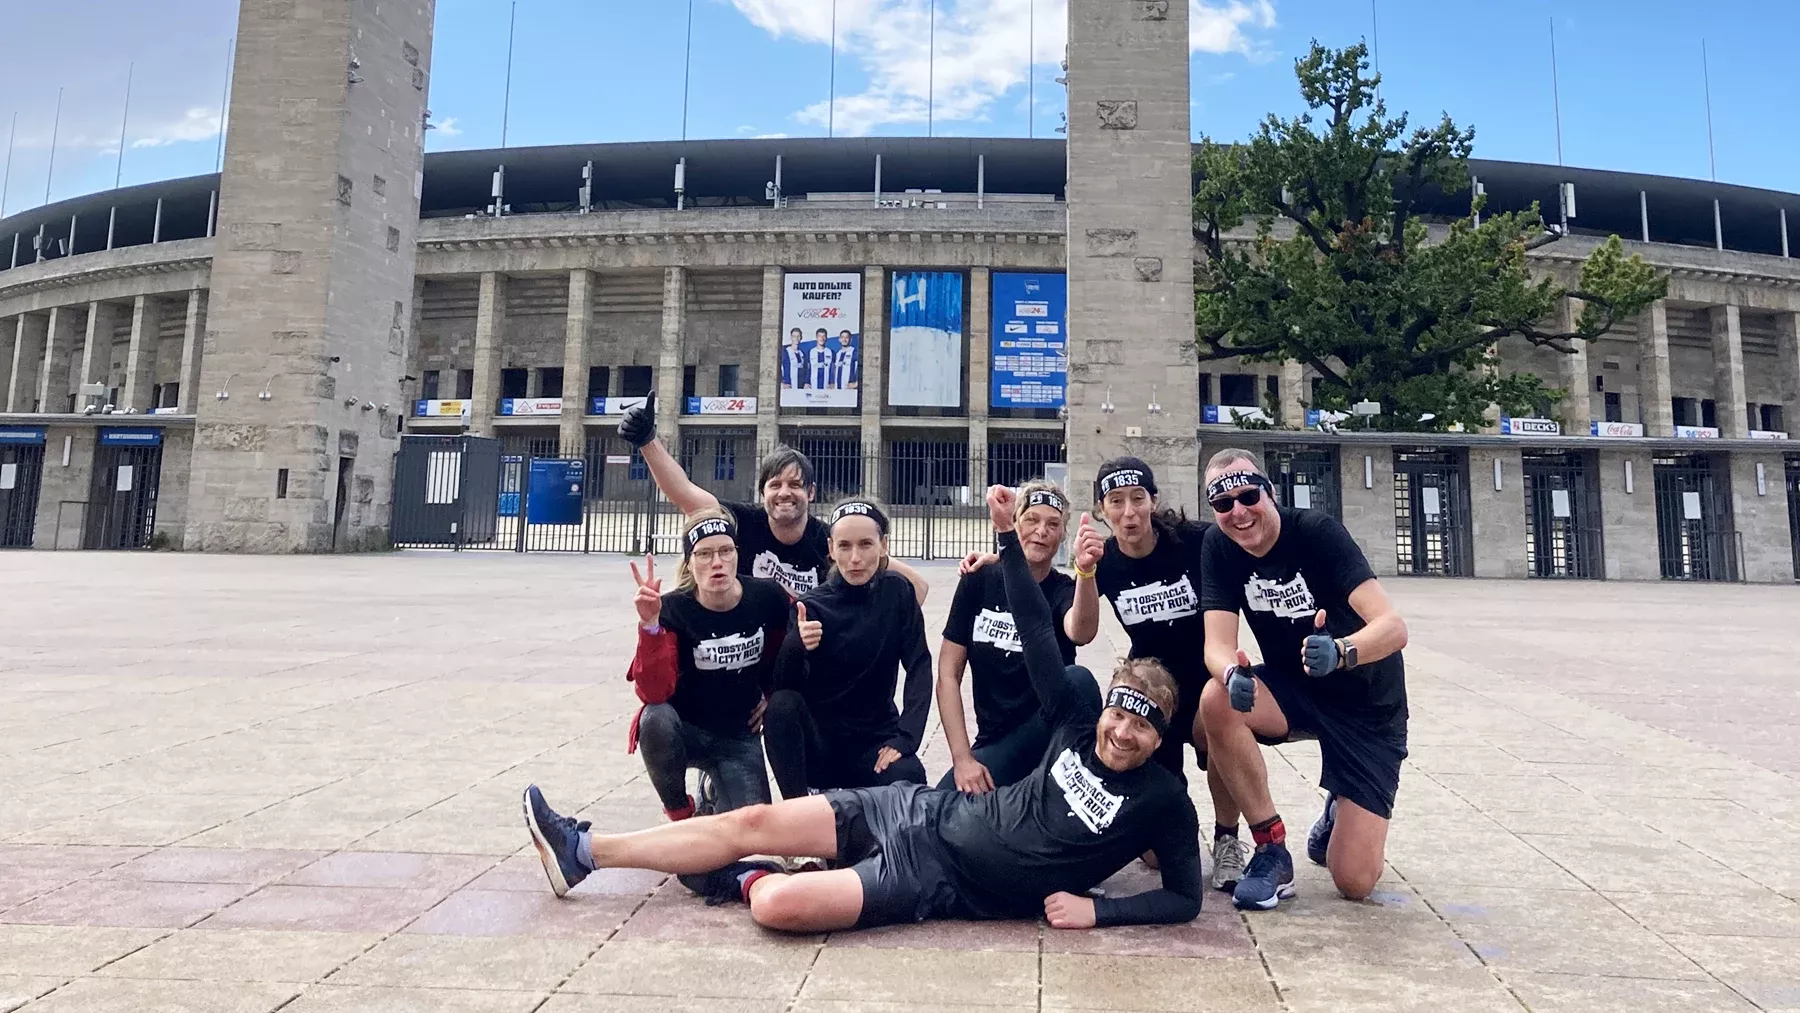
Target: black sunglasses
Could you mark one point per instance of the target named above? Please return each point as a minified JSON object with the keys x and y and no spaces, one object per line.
{"x":1249,"y":498}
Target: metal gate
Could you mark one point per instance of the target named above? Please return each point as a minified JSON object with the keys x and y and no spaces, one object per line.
{"x":1562,"y":516}
{"x":1431,"y":512}
{"x":21,"y":475}
{"x":121,"y":507}
{"x":1793,"y":494}
{"x":446,"y":492}
{"x":1693,"y":519}
{"x":1305,"y":477}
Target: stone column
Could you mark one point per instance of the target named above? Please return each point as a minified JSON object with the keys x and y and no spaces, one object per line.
{"x":1131,"y":243}
{"x":59,"y":352}
{"x":768,"y":363}
{"x":140,"y":360}
{"x":1654,"y":390}
{"x":9,"y":328}
{"x":669,"y":403}
{"x":1497,"y":516}
{"x":1293,"y":395}
{"x":1760,"y":516}
{"x":1577,"y":408}
{"x":874,"y":345}
{"x":1787,"y":326}
{"x":1369,"y":512}
{"x":27,"y":358}
{"x":981,"y":293}
{"x":490,"y":327}
{"x":1728,"y":373}
{"x":193,"y":335}
{"x":96,"y":348}
{"x":573,"y":435}
{"x":1628,"y":517}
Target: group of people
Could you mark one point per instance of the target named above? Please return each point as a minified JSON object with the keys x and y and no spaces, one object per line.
{"x":787,"y":637}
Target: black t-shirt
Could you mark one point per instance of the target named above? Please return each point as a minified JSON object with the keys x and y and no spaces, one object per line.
{"x":1073,"y":822}
{"x":799,"y":567}
{"x":1314,"y":564}
{"x":726,"y":659}
{"x":1157,"y":600}
{"x":982,"y":622}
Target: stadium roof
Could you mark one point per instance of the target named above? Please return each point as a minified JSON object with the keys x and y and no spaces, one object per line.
{"x":724,"y":173}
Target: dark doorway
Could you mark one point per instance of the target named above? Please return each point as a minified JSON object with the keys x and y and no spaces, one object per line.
{"x":121,"y":510}
{"x":1305,"y":477}
{"x":1694,"y":533}
{"x":342,"y":510}
{"x":1562,"y":516}
{"x":21,"y":474}
{"x":1431,"y":512}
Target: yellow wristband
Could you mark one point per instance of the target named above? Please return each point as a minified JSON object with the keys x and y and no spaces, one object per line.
{"x":1083,"y":574}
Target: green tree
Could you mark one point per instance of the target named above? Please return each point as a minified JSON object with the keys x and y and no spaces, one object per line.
{"x":1340,"y":274}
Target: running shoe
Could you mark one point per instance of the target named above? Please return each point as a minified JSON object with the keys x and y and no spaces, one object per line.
{"x":1318,"y":839}
{"x":1268,"y":881}
{"x":1228,"y":855}
{"x":726,"y":886}
{"x":558,"y":839}
{"x":707,"y":795}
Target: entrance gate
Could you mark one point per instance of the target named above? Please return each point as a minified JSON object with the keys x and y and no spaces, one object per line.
{"x":121,"y":509}
{"x":1431,"y":512}
{"x":21,"y":474}
{"x":1562,"y":516}
{"x":1305,"y":477}
{"x":1693,"y":519}
{"x":1793,"y":493}
{"x":446,"y":491}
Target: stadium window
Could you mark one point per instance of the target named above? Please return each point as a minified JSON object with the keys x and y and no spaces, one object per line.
{"x":1771,"y":418}
{"x":689,"y":380}
{"x":428,"y":385}
{"x":1206,"y":388}
{"x":1272,"y":389}
{"x":599,"y":381}
{"x":1600,"y":384}
{"x":465,"y":384}
{"x":634,"y":381}
{"x":1709,"y":413}
{"x":1615,"y":407}
{"x":550,"y":381}
{"x":1237,"y":389}
{"x":513,"y":382}
{"x":1683,"y":410}
{"x":725,"y":461}
{"x":639,"y":470}
{"x":728,"y":380}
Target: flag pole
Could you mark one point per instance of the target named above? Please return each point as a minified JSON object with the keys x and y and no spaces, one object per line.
{"x":119,"y":173}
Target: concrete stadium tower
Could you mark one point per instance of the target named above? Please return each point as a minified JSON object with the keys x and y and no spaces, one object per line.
{"x":312,"y":276}
{"x":1133,"y":376}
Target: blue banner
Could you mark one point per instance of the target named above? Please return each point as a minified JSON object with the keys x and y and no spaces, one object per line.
{"x":135,"y":437}
{"x":1030,"y":356}
{"x":925,"y":340}
{"x":21,"y":434}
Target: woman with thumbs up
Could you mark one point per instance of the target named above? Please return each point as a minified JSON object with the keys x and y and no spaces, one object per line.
{"x":831,"y":722}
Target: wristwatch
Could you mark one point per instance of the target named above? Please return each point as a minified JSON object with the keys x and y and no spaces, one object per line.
{"x":1346,"y":654}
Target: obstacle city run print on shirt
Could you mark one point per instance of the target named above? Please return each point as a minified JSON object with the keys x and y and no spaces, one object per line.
{"x":796,"y":580}
{"x":1290,"y":599}
{"x":1086,"y":794}
{"x":729,"y":653}
{"x":1160,"y":602}
{"x":995,"y":627}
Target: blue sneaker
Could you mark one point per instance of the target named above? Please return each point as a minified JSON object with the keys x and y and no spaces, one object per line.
{"x":1318,"y":839}
{"x":558,"y":840}
{"x":1268,"y":881}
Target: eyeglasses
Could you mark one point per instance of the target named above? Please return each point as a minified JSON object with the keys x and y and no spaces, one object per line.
{"x":705,"y":556}
{"x":1249,"y":498}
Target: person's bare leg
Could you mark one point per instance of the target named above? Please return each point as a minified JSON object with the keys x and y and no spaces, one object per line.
{"x":807,"y":901}
{"x":1232,"y":749}
{"x":1225,"y":808}
{"x":801,"y":826}
{"x":1358,"y":849}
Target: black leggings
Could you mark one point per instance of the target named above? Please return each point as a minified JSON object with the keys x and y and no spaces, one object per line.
{"x":803,"y":759}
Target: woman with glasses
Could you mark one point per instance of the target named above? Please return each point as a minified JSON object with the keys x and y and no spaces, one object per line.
{"x":704,"y":668}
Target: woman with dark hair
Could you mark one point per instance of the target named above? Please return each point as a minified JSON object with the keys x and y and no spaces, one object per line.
{"x":831,"y":722}
{"x":704,"y":668}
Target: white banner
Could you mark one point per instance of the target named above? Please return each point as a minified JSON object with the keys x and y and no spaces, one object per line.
{"x":1696,"y":432}
{"x":441,"y":409}
{"x":1530,"y":427}
{"x":1617,"y":429}
{"x":1767,"y":434}
{"x":531,"y":406}
{"x":721,"y":406}
{"x":821,"y":340}
{"x":613,"y":405}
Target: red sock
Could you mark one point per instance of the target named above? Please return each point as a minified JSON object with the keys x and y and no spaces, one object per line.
{"x":749,"y":881}
{"x":1269,"y":831}
{"x":676,"y":815}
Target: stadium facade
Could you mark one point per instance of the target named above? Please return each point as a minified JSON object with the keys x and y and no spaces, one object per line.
{"x":152,"y":397}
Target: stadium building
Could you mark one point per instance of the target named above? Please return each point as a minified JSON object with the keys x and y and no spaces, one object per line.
{"x":219,"y":363}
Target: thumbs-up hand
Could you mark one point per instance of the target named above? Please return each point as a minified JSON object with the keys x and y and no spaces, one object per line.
{"x":1319,"y":655}
{"x":1240,"y":681}
{"x":1089,"y":546}
{"x":811,"y":631}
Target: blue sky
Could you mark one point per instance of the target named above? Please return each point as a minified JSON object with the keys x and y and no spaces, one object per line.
{"x":603,"y":70}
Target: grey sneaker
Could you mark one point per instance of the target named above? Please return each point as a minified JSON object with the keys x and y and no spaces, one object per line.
{"x":1229,"y":856}
{"x":707,"y":798}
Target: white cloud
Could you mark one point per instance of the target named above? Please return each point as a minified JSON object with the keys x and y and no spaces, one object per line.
{"x":975,"y":53}
{"x":448,"y":127}
{"x":769,"y":137}
{"x":193,"y":125}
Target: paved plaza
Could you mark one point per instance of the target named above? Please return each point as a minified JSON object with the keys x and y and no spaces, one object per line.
{"x":243,"y":784}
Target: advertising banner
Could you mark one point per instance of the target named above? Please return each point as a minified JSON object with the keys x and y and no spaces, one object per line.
{"x":1617,"y":429}
{"x":1228,"y":415}
{"x":1696,"y":432}
{"x":139,"y":437}
{"x":21,"y":434}
{"x":531,"y":406}
{"x":821,"y":340}
{"x":613,"y":405}
{"x":720,"y":406}
{"x":1529,"y":427}
{"x":1029,"y":360}
{"x":440,"y":409}
{"x":925,"y":340}
{"x":1768,"y":434}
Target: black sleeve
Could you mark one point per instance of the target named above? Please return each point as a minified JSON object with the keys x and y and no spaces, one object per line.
{"x":790,"y":661}
{"x":959,"y":628}
{"x":915,"y":661}
{"x":1345,"y":565}
{"x":745,"y":515}
{"x":1056,"y":693}
{"x":1220,"y":588}
{"x":778,"y":619}
{"x":1177,"y":850}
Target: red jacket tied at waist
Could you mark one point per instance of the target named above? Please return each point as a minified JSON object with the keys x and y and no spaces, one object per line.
{"x":654,"y":670}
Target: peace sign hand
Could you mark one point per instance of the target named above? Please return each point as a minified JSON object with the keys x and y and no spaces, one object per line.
{"x":649,"y":593}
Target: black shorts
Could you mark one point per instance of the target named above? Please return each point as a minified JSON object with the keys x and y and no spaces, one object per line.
{"x":889,"y":836}
{"x":1357,"y":761}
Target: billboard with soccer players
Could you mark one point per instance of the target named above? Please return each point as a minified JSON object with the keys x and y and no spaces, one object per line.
{"x":821,"y":340}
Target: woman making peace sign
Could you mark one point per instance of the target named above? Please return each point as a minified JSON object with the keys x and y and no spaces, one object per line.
{"x":704,"y":668}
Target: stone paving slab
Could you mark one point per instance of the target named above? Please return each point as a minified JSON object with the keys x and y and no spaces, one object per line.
{"x":248,"y":784}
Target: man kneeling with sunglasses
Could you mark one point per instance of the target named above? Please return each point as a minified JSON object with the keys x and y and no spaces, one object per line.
{"x":1331,"y":669}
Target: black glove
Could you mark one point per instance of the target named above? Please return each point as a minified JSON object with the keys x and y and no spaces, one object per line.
{"x":1321,"y":654}
{"x":638,"y":425}
{"x":1241,"y":682}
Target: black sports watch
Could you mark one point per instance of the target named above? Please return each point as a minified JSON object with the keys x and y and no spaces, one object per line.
{"x":1346,"y":653}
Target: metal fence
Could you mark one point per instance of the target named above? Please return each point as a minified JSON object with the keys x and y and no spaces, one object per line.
{"x":1562,"y":516}
{"x":1695,"y":540}
{"x":1793,"y":496}
{"x":1432,"y":535}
